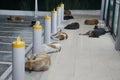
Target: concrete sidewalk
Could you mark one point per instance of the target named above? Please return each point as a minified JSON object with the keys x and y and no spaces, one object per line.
{"x":81,"y":57}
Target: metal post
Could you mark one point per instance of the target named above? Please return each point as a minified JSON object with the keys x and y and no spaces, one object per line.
{"x":62,"y":7}
{"x":37,"y":37}
{"x":54,"y":21}
{"x":18,"y":60}
{"x":60,"y":13}
{"x":58,"y":16}
{"x":36,"y":8}
{"x":102,"y":9}
{"x":47,"y":30}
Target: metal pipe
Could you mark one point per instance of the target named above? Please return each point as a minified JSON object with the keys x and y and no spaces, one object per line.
{"x":36,"y":8}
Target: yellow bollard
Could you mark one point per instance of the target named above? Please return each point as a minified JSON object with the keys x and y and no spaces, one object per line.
{"x":62,"y":11}
{"x":58,"y":16}
{"x":18,"y":65}
{"x":47,"y":30}
{"x":37,"y":37}
{"x":54,"y":21}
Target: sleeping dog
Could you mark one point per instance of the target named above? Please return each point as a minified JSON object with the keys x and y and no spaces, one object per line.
{"x":96,"y":32}
{"x":91,"y":21}
{"x":51,"y":48}
{"x":72,"y":26}
{"x":16,"y":18}
{"x":38,"y":62}
{"x":59,"y":36}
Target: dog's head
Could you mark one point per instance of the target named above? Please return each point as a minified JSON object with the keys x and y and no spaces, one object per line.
{"x":28,"y":64}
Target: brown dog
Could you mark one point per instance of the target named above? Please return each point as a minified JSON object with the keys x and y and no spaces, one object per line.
{"x":91,"y":21}
{"x":60,"y":35}
{"x":16,"y":18}
{"x":67,"y":12}
{"x":38,"y":62}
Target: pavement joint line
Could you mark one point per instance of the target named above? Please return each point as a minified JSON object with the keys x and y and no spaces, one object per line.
{"x":5,"y":52}
{"x":4,"y":43}
{"x":11,"y":42}
{"x":15,"y":23}
{"x":6,"y":63}
{"x":15,"y":36}
{"x":15,"y":27}
{"x":17,"y":32}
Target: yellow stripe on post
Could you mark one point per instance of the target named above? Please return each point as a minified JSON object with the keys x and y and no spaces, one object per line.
{"x":47,"y":17}
{"x":18,"y":43}
{"x":54,"y":11}
{"x":62,"y":4}
{"x":37,"y":26}
{"x":58,"y":7}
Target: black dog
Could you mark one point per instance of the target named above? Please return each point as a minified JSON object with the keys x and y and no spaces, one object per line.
{"x":68,"y":17}
{"x":72,"y":26}
{"x":96,"y":32}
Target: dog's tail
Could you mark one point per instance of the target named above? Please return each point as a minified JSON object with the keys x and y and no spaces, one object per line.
{"x":66,"y":36}
{"x":83,"y":34}
{"x":87,"y":33}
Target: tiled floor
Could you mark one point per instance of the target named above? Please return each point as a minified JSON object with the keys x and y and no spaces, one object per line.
{"x":82,"y":58}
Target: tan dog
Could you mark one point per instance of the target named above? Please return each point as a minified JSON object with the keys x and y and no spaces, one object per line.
{"x":67,"y":12}
{"x":91,"y":21}
{"x":60,"y":36}
{"x":38,"y":62}
{"x":56,"y":46}
{"x":16,"y":18}
{"x":51,"y":48}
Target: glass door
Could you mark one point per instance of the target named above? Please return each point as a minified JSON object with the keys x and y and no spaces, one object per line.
{"x":115,"y":22}
{"x":111,"y":13}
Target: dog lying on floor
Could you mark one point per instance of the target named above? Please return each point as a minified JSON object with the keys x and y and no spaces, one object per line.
{"x":67,"y":12}
{"x":68,"y":15}
{"x":91,"y":21}
{"x":38,"y":62}
{"x":41,"y":61}
{"x":96,"y":32}
{"x":51,"y":48}
{"x":16,"y":18}
{"x":72,"y":26}
{"x":59,"y":36}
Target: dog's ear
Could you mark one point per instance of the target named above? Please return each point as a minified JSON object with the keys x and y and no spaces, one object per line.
{"x":28,"y":58}
{"x":60,"y":30}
